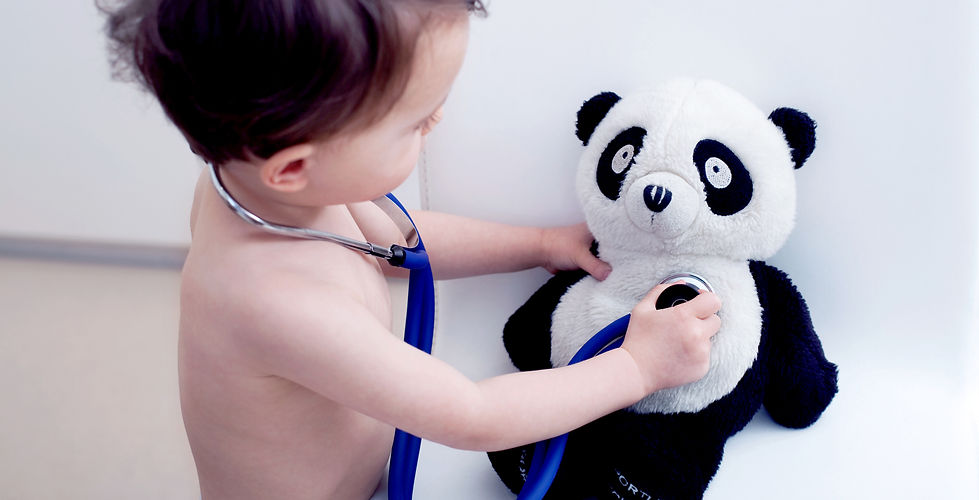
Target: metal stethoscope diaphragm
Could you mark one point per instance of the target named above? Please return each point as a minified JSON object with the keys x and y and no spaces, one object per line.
{"x":686,"y":286}
{"x":419,"y":326}
{"x":546,"y":460}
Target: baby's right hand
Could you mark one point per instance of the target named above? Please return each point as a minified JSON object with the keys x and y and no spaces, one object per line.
{"x":671,"y":347}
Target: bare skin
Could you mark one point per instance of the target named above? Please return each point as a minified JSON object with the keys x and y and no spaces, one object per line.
{"x":291,"y":380}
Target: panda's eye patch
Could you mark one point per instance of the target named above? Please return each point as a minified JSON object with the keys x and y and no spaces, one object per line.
{"x":727,"y":183}
{"x":618,"y":157}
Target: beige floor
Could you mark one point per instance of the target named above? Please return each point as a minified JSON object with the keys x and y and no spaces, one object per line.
{"x":88,"y":383}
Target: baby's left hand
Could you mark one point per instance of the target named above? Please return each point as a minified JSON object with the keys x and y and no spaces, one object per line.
{"x":567,"y":248}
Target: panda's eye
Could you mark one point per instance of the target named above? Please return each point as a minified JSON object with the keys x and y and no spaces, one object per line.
{"x":717,"y":172}
{"x":727,"y":183}
{"x":623,"y":158}
{"x":616,"y":159}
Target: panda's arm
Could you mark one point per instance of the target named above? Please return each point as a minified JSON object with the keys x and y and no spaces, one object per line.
{"x":801,"y":382}
{"x":527,"y":334}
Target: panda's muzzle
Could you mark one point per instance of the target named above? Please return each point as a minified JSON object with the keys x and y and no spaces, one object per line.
{"x":657,"y":198}
{"x":662,"y":203}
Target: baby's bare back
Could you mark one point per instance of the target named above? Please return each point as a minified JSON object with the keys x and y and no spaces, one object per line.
{"x":253,"y":434}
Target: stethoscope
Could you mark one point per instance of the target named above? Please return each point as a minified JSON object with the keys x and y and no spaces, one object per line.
{"x":420,"y":323}
{"x":420,"y":319}
{"x":548,"y":454}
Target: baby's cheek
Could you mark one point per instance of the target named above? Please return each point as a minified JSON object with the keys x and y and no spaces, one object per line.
{"x":412,"y":152}
{"x":400,"y":161}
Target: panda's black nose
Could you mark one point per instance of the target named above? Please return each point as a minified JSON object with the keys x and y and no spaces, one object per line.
{"x":657,"y":198}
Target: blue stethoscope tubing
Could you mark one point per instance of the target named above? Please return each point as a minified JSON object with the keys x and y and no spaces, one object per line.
{"x":419,"y":328}
{"x":419,"y":323}
{"x":548,"y":454}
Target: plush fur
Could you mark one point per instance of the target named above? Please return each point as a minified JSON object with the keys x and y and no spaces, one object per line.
{"x":688,"y":176}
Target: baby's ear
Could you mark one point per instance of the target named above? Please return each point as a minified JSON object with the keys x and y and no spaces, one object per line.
{"x":287,"y":171}
{"x":592,"y":113}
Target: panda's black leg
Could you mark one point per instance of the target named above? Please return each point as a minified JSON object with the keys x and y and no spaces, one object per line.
{"x":653,"y":456}
{"x":512,"y":465}
{"x":527,"y":338}
{"x":801,"y":382}
{"x":527,"y":334}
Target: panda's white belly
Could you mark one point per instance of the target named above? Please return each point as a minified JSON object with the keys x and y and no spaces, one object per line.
{"x":590,"y":305}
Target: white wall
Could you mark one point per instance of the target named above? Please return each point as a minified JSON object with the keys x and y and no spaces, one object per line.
{"x":887,"y":194}
{"x":85,"y":157}
{"x":885,"y":247}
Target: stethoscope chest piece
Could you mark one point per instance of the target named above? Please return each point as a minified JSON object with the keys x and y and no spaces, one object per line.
{"x":684,"y":287}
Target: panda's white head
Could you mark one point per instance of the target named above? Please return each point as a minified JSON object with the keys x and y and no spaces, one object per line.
{"x":690,"y":167}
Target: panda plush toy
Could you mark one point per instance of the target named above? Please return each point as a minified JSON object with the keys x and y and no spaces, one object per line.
{"x":686,"y":177}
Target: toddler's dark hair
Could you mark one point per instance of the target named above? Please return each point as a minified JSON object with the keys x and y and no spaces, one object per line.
{"x":246,"y":78}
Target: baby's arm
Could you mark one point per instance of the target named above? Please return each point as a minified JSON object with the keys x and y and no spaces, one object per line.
{"x":345,"y":354}
{"x":461,"y":246}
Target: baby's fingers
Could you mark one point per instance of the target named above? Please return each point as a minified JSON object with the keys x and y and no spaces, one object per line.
{"x":712,"y":325}
{"x":649,"y":301}
{"x":594,"y":266}
{"x":704,"y":305}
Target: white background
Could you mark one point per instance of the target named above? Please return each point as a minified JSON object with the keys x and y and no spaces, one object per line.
{"x":84,"y":157}
{"x":885,"y":248}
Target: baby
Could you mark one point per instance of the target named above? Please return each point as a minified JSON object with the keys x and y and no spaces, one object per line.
{"x":291,"y":381}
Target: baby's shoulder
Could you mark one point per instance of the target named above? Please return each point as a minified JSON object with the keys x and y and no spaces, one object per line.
{"x":254,"y":308}
{"x":280,"y":275}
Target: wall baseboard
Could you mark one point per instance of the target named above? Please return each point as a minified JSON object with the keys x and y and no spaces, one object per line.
{"x":94,"y":252}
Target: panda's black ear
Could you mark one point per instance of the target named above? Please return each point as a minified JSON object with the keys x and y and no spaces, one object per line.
{"x":799,"y":131}
{"x":592,"y":112}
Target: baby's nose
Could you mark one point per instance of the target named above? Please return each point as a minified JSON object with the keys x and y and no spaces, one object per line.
{"x":657,"y":198}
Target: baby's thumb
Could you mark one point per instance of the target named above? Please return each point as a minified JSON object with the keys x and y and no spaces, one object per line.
{"x":650,"y":299}
{"x":596,"y":267}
